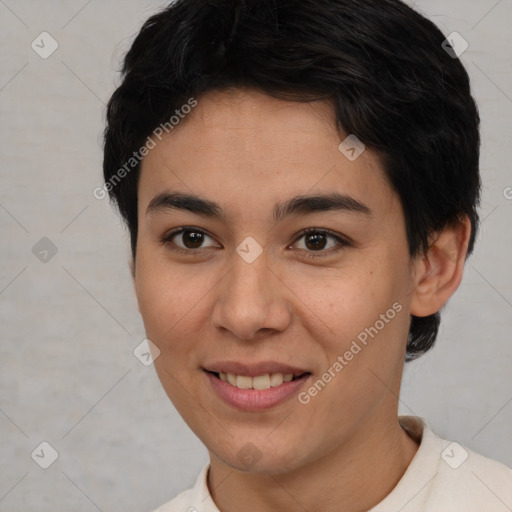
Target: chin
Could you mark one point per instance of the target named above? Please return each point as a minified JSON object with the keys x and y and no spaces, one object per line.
{"x":260,"y":458}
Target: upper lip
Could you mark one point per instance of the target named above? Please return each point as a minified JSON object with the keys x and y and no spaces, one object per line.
{"x":253,"y":369}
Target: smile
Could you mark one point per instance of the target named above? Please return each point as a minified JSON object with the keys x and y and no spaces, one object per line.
{"x":256,"y":393}
{"x":260,"y":382}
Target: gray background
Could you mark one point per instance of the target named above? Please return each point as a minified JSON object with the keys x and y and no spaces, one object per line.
{"x":69,"y":326}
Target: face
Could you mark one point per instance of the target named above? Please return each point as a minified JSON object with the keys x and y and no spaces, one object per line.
{"x":244,"y":290}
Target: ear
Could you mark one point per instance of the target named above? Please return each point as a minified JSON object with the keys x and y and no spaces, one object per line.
{"x":438,"y":273}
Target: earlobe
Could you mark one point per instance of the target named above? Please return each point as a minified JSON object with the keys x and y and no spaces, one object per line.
{"x":439,"y":272}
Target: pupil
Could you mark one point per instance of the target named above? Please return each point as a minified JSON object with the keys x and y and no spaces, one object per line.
{"x":318,"y":241}
{"x":194,"y":238}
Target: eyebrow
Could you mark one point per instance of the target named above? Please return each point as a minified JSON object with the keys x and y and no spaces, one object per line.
{"x":298,"y":205}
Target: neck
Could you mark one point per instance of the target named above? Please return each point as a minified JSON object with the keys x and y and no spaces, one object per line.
{"x":359,"y":473}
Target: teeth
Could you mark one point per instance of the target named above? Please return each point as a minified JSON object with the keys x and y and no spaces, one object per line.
{"x":243,"y":382}
{"x":261,"y":381}
{"x":276,"y":379}
{"x":264,"y":381}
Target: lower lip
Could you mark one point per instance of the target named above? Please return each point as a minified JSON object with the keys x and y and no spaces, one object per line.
{"x":256,"y":399}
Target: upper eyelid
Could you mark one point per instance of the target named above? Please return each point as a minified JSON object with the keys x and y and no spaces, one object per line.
{"x":325,"y":231}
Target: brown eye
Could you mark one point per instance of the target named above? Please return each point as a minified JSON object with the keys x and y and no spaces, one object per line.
{"x":316,"y":243}
{"x":192,"y":239}
{"x":187,"y":239}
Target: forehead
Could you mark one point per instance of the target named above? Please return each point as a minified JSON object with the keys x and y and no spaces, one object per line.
{"x":244,"y":148}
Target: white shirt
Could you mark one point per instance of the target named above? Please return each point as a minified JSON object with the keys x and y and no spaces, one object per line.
{"x":443,"y":476}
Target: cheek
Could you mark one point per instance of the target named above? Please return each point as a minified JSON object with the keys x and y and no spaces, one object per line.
{"x":170,"y":305}
{"x":349,"y":299}
{"x":364,"y":314}
{"x":172,"y":302}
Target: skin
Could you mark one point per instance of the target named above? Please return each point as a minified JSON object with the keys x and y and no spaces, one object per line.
{"x":247,"y":152}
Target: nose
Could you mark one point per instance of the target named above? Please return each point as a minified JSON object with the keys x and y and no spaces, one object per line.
{"x":252,"y":299}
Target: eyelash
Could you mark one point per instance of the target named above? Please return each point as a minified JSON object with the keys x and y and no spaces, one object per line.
{"x":342,"y":243}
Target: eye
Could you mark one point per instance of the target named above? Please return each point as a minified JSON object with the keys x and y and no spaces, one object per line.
{"x":187,"y":239}
{"x":190,"y":239}
{"x":317,"y":240}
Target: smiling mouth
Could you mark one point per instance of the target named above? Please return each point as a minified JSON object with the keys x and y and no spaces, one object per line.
{"x":258,"y":382}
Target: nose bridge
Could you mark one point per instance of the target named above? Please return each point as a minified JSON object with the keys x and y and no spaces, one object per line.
{"x":248,"y":283}
{"x":251,"y":298}
{"x":254,"y":268}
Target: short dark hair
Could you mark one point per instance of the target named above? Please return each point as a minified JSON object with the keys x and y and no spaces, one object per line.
{"x":379,"y":62}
